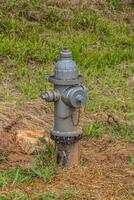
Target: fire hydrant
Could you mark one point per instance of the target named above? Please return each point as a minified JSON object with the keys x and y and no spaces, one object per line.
{"x":68,"y":96}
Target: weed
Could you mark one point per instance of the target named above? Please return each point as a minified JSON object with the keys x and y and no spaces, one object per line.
{"x":44,"y":165}
{"x":45,"y":173}
{"x":52,"y":15}
{"x":14,"y":196}
{"x":115,"y":4}
{"x":122,"y":131}
{"x":69,"y":194}
{"x":2,"y":157}
{"x":48,"y":196}
{"x":132,"y":160}
{"x":10,"y":4}
{"x":115,"y":131}
{"x":93,"y":130}
{"x":14,"y":176}
{"x":86,"y":20}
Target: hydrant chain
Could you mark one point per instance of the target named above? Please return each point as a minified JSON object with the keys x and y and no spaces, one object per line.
{"x":76,"y":117}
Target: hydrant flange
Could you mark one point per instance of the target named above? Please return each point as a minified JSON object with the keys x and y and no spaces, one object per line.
{"x":78,"y":80}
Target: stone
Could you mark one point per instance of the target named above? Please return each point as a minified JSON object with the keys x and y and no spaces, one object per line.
{"x":31,"y":141}
{"x":131,"y":80}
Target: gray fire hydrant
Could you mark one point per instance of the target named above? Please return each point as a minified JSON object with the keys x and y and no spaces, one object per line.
{"x":68,"y":96}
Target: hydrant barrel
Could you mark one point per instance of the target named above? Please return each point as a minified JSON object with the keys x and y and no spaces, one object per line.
{"x":68,"y":96}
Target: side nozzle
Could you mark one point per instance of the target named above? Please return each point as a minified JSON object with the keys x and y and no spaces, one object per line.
{"x":75,"y":96}
{"x":51,"y":96}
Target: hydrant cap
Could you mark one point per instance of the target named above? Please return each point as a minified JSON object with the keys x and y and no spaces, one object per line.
{"x":65,"y":68}
{"x":66,"y":54}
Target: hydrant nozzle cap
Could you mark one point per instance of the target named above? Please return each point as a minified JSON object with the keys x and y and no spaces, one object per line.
{"x":66,"y":54}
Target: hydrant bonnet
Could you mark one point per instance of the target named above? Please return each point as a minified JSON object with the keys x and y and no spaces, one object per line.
{"x":66,"y":68}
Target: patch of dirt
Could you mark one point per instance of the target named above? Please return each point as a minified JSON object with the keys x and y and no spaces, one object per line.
{"x":105,"y":171}
{"x":12,"y":153}
{"x":29,"y":116}
{"x":34,"y":115}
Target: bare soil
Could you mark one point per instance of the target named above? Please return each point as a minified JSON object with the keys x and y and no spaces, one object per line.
{"x":105,"y":171}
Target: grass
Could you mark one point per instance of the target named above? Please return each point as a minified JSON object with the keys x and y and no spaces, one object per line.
{"x":14,"y":176}
{"x":93,"y":130}
{"x":30,"y":44}
{"x":43,"y":167}
{"x":2,"y":157}
{"x":14,"y":196}
{"x":115,"y":131}
{"x":132,"y":160}
{"x":68,"y":194}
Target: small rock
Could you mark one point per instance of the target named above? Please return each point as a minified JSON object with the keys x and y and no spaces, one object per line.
{"x":8,"y":125}
{"x":131,"y":80}
{"x":30,"y":141}
{"x":113,"y":120}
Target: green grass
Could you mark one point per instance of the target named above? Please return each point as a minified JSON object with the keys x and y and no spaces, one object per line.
{"x":14,"y":176}
{"x":14,"y":196}
{"x":48,"y":196}
{"x":93,"y":130}
{"x":44,"y":167}
{"x":2,"y":157}
{"x":115,"y":131}
{"x":132,"y":160}
{"x":32,"y":38}
{"x":68,"y":194}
